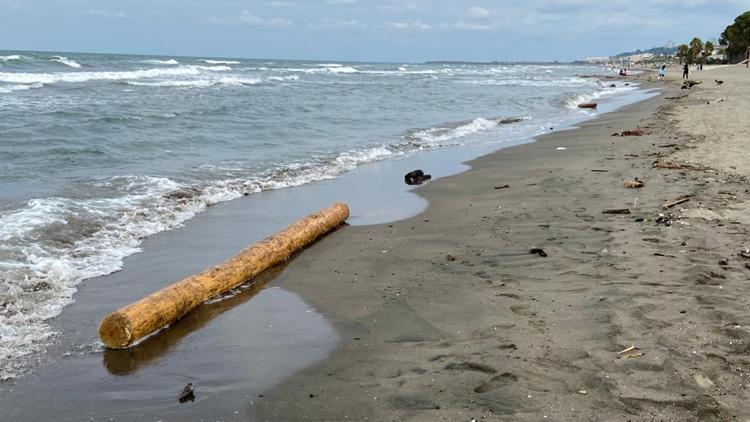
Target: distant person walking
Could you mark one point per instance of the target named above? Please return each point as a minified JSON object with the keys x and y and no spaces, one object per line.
{"x":686,"y":71}
{"x":662,"y":72}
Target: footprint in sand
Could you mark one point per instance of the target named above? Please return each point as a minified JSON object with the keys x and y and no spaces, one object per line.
{"x":496,"y":382}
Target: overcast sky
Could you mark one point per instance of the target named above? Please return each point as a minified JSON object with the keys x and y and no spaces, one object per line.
{"x":361,"y":30}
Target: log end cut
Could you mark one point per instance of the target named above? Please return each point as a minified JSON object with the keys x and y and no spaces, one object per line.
{"x":114,"y":331}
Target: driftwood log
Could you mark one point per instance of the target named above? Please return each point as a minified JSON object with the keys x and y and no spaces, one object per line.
{"x":126,"y":326}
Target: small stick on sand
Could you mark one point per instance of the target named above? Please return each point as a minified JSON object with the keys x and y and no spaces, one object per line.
{"x":617,"y":211}
{"x":629,"y":349}
{"x":669,"y":205}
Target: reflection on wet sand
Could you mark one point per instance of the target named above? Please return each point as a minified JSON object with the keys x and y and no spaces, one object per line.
{"x":128,"y":361}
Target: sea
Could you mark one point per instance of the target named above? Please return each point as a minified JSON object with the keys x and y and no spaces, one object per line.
{"x":99,"y":152}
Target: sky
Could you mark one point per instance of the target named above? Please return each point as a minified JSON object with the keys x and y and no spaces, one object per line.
{"x":362,"y":30}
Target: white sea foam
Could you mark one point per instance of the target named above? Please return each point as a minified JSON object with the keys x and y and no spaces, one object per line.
{"x":200,"y":83}
{"x":7,"y":89}
{"x":11,"y":58}
{"x":225,"y":62}
{"x":171,"y":62}
{"x":66,"y":61}
{"x":77,"y":77}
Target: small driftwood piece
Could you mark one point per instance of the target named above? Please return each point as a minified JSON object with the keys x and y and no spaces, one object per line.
{"x":676,"y":202}
{"x":588,"y":105}
{"x":617,"y":211}
{"x":718,"y":100}
{"x":502,"y":187}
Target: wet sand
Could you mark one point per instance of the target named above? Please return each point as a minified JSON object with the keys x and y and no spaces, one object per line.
{"x":446,"y":316}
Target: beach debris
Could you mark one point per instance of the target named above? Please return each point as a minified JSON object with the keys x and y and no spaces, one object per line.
{"x":599,"y":171}
{"x":588,"y":105}
{"x":690,"y":84}
{"x":617,"y":211}
{"x":450,"y":258}
{"x":633,"y":132}
{"x":634,"y":184}
{"x":582,"y":392}
{"x":629,"y":349}
{"x":681,"y":200}
{"x":416,"y":177}
{"x":502,"y":187}
{"x":187,"y":394}
{"x":677,"y":97}
{"x":724,"y":262}
{"x":718,"y":100}
{"x":124,"y":327}
{"x":718,"y":82}
{"x":674,"y":166}
{"x":745,"y":253}
{"x":538,"y":251}
{"x":613,"y":85}
{"x":665,"y":219}
{"x":703,"y":381}
{"x":630,"y":352}
{"x":561,"y":148}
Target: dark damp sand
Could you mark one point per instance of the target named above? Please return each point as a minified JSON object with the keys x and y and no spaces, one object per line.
{"x":500,"y":334}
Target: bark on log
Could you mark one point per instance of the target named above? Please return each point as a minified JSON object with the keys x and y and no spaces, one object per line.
{"x":126,"y":326}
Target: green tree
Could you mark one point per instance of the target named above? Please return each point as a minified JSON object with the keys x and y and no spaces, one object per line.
{"x":684,"y":53}
{"x":737,"y":37}
{"x":696,"y":48}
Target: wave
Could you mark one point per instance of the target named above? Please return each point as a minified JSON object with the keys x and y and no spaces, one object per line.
{"x":13,"y":88}
{"x":12,"y":58}
{"x":200,"y":83}
{"x":66,"y":61}
{"x":171,"y":62}
{"x":77,"y":77}
{"x":572,"y":100}
{"x":225,"y":62}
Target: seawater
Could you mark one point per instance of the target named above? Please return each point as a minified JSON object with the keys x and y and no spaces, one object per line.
{"x":98,"y":152}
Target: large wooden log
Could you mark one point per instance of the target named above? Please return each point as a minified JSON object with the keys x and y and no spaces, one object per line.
{"x":126,"y":326}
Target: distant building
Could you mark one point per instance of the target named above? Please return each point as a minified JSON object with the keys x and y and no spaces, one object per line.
{"x":597,"y":60}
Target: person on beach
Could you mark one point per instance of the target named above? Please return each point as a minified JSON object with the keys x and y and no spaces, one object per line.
{"x":686,"y":71}
{"x":662,"y":72}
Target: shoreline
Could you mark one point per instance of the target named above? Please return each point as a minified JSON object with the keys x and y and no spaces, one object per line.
{"x":172,"y":255}
{"x":494,"y":333}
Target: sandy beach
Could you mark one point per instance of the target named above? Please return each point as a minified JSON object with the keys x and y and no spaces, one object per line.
{"x":642,"y":316}
{"x":447,"y":315}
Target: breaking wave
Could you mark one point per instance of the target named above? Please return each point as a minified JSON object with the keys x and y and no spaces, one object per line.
{"x":66,"y":61}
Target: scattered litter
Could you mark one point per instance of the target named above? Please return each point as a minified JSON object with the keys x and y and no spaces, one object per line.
{"x":633,"y":132}
{"x":617,"y":211}
{"x":674,"y":166}
{"x":416,"y":177}
{"x":561,"y":148}
{"x":583,"y":392}
{"x":600,"y":171}
{"x":718,"y":82}
{"x":538,"y":251}
{"x":450,"y":258}
{"x":665,"y":219}
{"x":630,"y":352}
{"x":718,"y":100}
{"x":502,"y":187}
{"x":187,"y":394}
{"x":678,"y":201}
{"x":631,"y":348}
{"x":675,"y":98}
{"x":634,"y":184}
